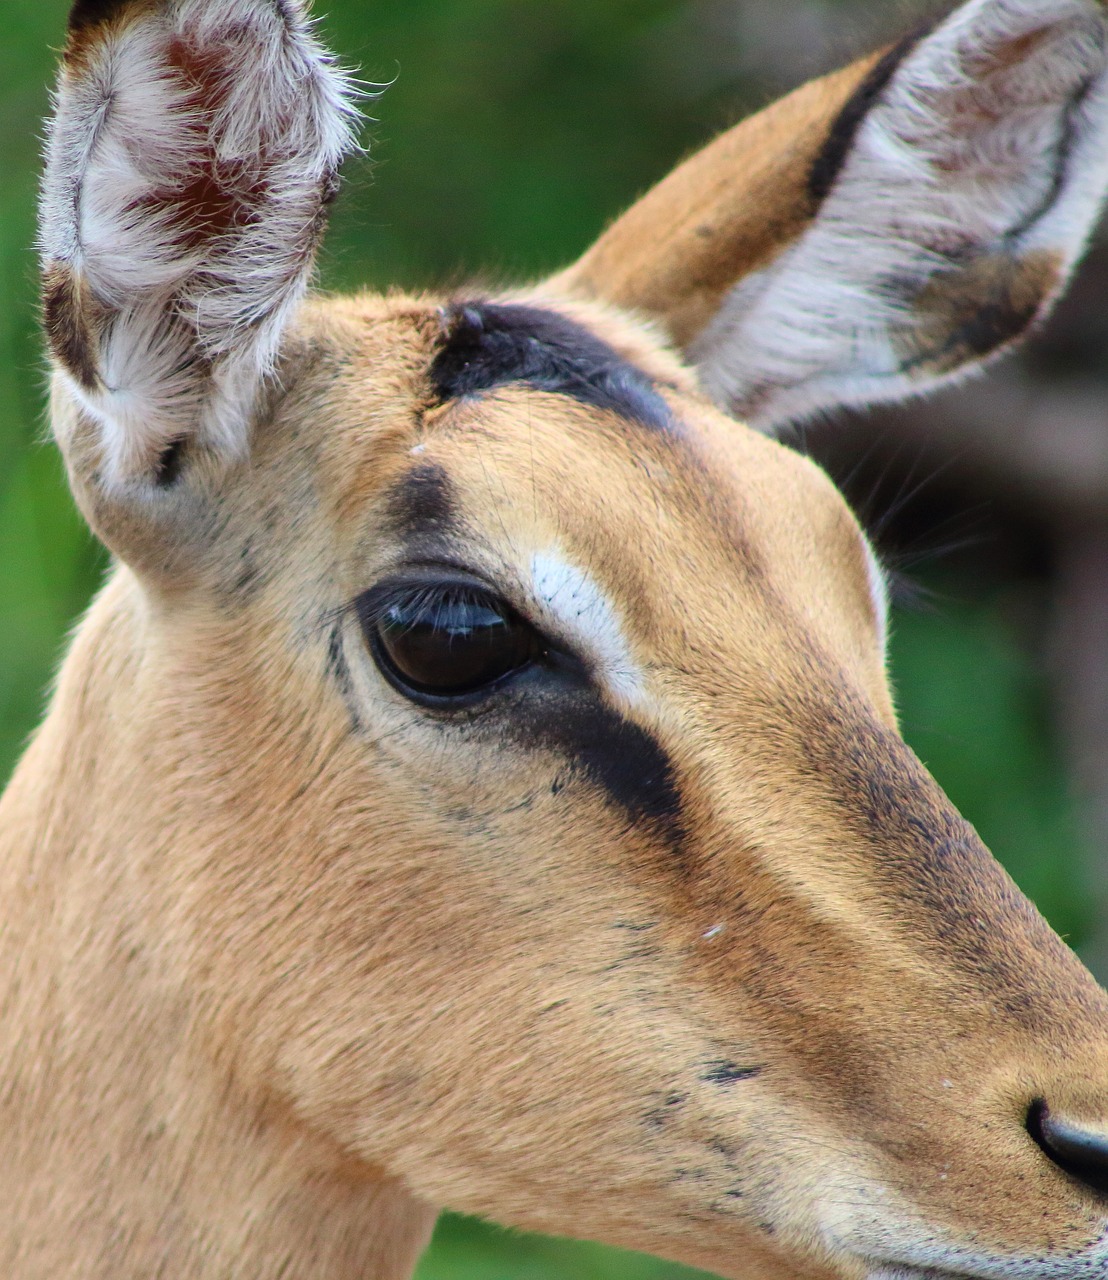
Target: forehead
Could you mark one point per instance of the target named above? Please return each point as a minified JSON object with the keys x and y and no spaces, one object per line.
{"x":487,"y":345}
{"x":502,"y":378}
{"x":495,"y":432}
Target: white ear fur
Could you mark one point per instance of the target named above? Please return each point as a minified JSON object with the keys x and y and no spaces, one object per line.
{"x":194,"y":147}
{"x":964,"y":200}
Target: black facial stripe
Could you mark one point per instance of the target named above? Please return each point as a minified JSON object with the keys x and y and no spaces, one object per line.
{"x":552,"y":706}
{"x":553,"y":711}
{"x":422,"y":504}
{"x":490,"y":345}
{"x":624,"y":760}
{"x":833,"y":154}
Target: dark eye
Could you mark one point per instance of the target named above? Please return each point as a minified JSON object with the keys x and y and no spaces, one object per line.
{"x":446,"y":641}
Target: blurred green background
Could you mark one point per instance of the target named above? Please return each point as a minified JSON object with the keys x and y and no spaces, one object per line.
{"x":512,"y":131}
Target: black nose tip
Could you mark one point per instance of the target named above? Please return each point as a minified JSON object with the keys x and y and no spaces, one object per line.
{"x":1080,"y":1151}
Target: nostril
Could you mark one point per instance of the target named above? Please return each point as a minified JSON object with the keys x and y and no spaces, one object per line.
{"x":1080,"y":1151}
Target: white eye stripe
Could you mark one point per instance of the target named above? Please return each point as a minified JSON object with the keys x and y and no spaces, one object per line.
{"x":572,"y":605}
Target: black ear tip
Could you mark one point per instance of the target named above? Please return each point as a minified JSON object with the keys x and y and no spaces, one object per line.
{"x":91,"y":13}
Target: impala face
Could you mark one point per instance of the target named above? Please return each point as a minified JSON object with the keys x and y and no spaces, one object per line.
{"x":541,"y":839}
{"x":747,"y":966}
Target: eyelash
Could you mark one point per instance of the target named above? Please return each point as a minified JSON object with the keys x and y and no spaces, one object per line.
{"x":373,"y":606}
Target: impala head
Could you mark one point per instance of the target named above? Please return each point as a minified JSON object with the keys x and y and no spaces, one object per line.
{"x":523,"y":777}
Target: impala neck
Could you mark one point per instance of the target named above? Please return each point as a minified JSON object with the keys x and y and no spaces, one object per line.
{"x":139,"y":1150}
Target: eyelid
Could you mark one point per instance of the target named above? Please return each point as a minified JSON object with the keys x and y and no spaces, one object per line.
{"x":374,"y":607}
{"x":406,"y":586}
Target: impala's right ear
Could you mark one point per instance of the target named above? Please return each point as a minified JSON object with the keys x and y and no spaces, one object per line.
{"x":193,"y":151}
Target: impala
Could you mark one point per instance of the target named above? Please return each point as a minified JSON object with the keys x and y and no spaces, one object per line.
{"x":477,"y":783}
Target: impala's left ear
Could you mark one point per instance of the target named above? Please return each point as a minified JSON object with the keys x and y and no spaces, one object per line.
{"x":883,"y":229}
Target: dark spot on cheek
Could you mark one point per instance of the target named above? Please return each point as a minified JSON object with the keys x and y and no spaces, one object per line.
{"x":726,"y":1150}
{"x":248,"y":574}
{"x":658,"y":1117}
{"x":729,"y":1073}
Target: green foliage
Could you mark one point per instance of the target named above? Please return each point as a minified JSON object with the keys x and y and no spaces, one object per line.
{"x":509,"y":133}
{"x":49,"y":562}
{"x":464,"y":1249}
{"x":973,"y":705}
{"x":513,"y":131}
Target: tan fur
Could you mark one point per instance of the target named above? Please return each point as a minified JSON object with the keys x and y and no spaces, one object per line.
{"x":287,"y":964}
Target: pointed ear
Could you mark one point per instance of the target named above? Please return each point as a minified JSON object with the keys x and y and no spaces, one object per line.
{"x":193,"y":151}
{"x":883,"y":229}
